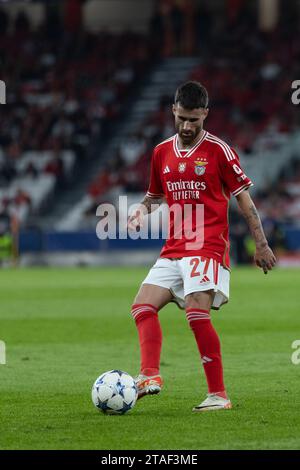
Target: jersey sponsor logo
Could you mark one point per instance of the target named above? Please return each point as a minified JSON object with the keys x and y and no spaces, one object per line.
{"x":179,"y":185}
{"x":166,"y":170}
{"x":181,"y":167}
{"x":182,"y":190}
{"x":200,"y":166}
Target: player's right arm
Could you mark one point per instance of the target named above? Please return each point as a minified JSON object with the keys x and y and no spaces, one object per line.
{"x":153,"y":198}
{"x":148,"y":205}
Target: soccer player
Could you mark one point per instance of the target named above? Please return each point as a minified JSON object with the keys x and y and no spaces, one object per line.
{"x":193,"y":169}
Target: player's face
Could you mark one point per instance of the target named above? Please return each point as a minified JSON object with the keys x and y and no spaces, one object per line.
{"x":188,"y":123}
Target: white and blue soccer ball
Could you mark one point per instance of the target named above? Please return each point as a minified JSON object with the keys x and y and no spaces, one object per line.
{"x":114,"y":392}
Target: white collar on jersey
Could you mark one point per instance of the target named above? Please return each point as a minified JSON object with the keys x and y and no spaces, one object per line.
{"x":189,"y":151}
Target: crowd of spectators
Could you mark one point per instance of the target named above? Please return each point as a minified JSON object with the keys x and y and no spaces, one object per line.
{"x":281,"y":201}
{"x":278,"y":206}
{"x":65,"y":90}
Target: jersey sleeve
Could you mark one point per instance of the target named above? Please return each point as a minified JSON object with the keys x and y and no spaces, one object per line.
{"x":232,"y":173}
{"x":155,"y":188}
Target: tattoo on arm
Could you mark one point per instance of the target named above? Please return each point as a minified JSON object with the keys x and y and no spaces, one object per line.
{"x":251,"y":215}
{"x":152,"y":203}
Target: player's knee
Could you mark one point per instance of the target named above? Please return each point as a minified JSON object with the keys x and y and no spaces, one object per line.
{"x":144,"y":298}
{"x":202,"y":300}
{"x":141,"y":298}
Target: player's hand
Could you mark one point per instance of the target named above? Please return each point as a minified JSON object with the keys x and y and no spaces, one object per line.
{"x":265,"y":258}
{"x":136,"y":220}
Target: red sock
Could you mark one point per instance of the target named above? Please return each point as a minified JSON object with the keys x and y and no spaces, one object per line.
{"x":209,"y":347}
{"x":150,"y":336}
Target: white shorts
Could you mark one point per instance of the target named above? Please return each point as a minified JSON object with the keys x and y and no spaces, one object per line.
{"x":191,"y":274}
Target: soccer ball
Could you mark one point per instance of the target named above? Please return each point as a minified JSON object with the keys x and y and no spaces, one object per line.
{"x":114,"y":392}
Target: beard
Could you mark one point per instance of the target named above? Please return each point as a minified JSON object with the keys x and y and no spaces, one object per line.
{"x":188,"y":137}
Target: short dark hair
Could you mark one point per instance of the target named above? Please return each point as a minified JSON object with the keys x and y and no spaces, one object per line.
{"x":192,"y":95}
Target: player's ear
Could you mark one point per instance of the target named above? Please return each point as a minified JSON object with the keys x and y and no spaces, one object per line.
{"x":173,"y":109}
{"x":205,"y":113}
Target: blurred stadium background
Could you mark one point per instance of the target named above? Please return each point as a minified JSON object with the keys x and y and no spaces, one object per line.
{"x":89,"y":84}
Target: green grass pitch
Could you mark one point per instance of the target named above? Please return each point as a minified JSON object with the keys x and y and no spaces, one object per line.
{"x":63,"y":328}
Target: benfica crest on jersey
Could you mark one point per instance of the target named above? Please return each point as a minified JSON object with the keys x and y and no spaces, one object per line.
{"x":181,"y":167}
{"x":200,"y":166}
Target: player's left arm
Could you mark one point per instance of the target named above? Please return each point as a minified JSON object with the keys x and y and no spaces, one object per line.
{"x":264,"y":256}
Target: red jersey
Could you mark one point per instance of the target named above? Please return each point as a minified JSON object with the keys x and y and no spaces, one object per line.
{"x":203,"y":176}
